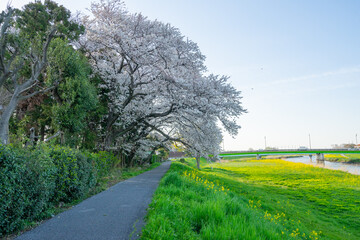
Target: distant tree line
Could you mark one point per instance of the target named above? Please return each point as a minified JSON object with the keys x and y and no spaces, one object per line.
{"x":112,"y":81}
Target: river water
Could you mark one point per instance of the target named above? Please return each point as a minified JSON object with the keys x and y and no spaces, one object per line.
{"x":347,"y":167}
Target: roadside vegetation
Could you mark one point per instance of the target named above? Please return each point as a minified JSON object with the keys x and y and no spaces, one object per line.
{"x":344,"y":158}
{"x":37,"y":183}
{"x":254,"y":199}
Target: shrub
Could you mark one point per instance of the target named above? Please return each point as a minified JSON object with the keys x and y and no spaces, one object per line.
{"x":74,"y":174}
{"x":12,"y":194}
{"x":155,"y":158}
{"x":32,"y":180}
{"x":103,"y":162}
{"x":39,"y":179}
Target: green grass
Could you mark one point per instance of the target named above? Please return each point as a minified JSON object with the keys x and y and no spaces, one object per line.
{"x":120,"y":174}
{"x":266,"y":199}
{"x":345,"y":158}
{"x":235,"y":157}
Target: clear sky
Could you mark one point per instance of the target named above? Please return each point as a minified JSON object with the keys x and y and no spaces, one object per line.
{"x":297,"y":63}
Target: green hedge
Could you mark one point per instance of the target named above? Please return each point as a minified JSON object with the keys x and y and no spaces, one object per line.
{"x":12,"y":195}
{"x":34,"y":180}
{"x":74,"y":174}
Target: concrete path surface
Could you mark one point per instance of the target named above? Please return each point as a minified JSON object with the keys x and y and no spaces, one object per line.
{"x":116,"y":213}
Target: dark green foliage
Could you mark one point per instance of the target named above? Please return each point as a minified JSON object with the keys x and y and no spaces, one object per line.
{"x":67,"y":108}
{"x":37,"y":52}
{"x":74,"y":174}
{"x":27,"y":183}
{"x":104,"y":162}
{"x":75,"y":95}
{"x":40,"y":175}
{"x":34,"y":180}
{"x":38,"y":18}
{"x":12,"y":195}
{"x":155,"y":158}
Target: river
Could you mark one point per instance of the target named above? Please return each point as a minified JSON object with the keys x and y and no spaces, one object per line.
{"x":347,"y":167}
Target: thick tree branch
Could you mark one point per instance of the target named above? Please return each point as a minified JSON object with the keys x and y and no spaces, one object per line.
{"x":166,"y":135}
{"x":36,"y":92}
{"x":163,"y":114}
{"x":4,"y":27}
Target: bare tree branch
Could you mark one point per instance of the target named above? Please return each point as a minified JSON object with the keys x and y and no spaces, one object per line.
{"x":53,"y":136}
{"x":4,"y":73}
{"x":166,"y":135}
{"x":36,"y":92}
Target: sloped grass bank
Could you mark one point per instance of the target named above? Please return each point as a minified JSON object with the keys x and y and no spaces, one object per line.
{"x":344,"y":158}
{"x":267,"y":199}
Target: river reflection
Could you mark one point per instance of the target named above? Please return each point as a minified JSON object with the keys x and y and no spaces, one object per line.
{"x":346,"y":167}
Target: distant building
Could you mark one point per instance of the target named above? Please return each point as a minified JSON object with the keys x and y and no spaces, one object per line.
{"x":357,"y":146}
{"x":303,"y":148}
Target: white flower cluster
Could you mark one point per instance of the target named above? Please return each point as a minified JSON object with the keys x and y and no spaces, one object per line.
{"x":155,"y":83}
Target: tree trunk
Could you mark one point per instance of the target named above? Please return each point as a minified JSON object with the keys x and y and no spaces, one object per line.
{"x":109,"y":136}
{"x":42,"y":133}
{"x":131,"y":158}
{"x":5,"y":118}
{"x":149,"y":158}
{"x":108,"y":140}
{"x":123,"y":159}
{"x":198,"y":161}
{"x":32,"y":137}
{"x":62,"y":138}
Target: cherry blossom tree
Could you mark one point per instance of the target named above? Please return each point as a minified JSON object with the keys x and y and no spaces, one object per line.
{"x":154,"y":84}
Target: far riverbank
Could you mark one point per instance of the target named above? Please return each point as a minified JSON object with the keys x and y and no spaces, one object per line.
{"x":352,"y":168}
{"x":340,"y":158}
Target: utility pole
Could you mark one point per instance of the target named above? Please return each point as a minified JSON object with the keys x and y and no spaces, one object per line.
{"x":265,"y":142}
{"x":309,"y":141}
{"x":356,"y":139}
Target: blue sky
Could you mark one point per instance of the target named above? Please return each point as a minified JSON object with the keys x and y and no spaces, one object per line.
{"x":297,"y":63}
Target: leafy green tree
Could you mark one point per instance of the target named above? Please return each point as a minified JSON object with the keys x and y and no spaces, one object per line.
{"x":75,"y":96}
{"x":25,"y":38}
{"x":65,"y":110}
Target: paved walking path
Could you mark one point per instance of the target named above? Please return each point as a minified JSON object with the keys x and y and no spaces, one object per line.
{"x":115,"y":213}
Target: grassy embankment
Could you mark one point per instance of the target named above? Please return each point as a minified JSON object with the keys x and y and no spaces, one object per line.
{"x":252,"y":199}
{"x":345,"y":158}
